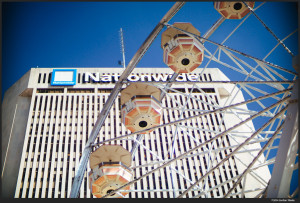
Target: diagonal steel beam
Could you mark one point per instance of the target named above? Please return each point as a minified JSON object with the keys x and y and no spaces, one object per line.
{"x":236,"y":149}
{"x":243,"y":175}
{"x":273,"y":34}
{"x":108,"y":104}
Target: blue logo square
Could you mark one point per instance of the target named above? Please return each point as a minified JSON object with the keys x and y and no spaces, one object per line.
{"x":63,"y":77}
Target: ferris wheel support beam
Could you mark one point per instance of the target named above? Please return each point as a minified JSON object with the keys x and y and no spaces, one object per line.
{"x":213,"y":28}
{"x":108,"y":104}
{"x":280,"y":181}
{"x":243,"y":175}
{"x":236,"y":149}
{"x":272,"y":33}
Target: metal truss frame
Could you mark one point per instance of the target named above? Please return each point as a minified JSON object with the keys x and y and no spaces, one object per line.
{"x":283,"y":107}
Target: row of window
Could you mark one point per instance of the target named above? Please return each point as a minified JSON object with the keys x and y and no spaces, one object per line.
{"x":157,"y":142}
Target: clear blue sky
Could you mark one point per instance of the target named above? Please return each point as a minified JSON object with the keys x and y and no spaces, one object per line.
{"x":86,"y":34}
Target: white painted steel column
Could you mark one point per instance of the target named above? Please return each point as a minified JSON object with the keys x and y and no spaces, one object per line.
{"x":280,"y":182}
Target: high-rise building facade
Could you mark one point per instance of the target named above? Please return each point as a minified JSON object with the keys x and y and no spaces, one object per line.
{"x":47,"y":119}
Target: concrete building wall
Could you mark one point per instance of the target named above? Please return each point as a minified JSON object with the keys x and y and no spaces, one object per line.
{"x":15,"y":109}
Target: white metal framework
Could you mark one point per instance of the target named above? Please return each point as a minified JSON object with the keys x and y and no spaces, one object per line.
{"x":222,"y":135}
{"x":268,"y":89}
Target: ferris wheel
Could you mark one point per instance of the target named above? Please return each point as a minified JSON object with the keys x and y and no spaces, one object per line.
{"x":202,"y":154}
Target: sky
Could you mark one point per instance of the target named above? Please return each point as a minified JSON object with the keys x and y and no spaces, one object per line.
{"x":86,"y":34}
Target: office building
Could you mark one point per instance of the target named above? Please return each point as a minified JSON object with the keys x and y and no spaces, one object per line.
{"x":47,"y":120}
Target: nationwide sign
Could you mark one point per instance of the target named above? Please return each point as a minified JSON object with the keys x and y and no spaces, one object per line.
{"x":95,"y":77}
{"x":68,"y":77}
